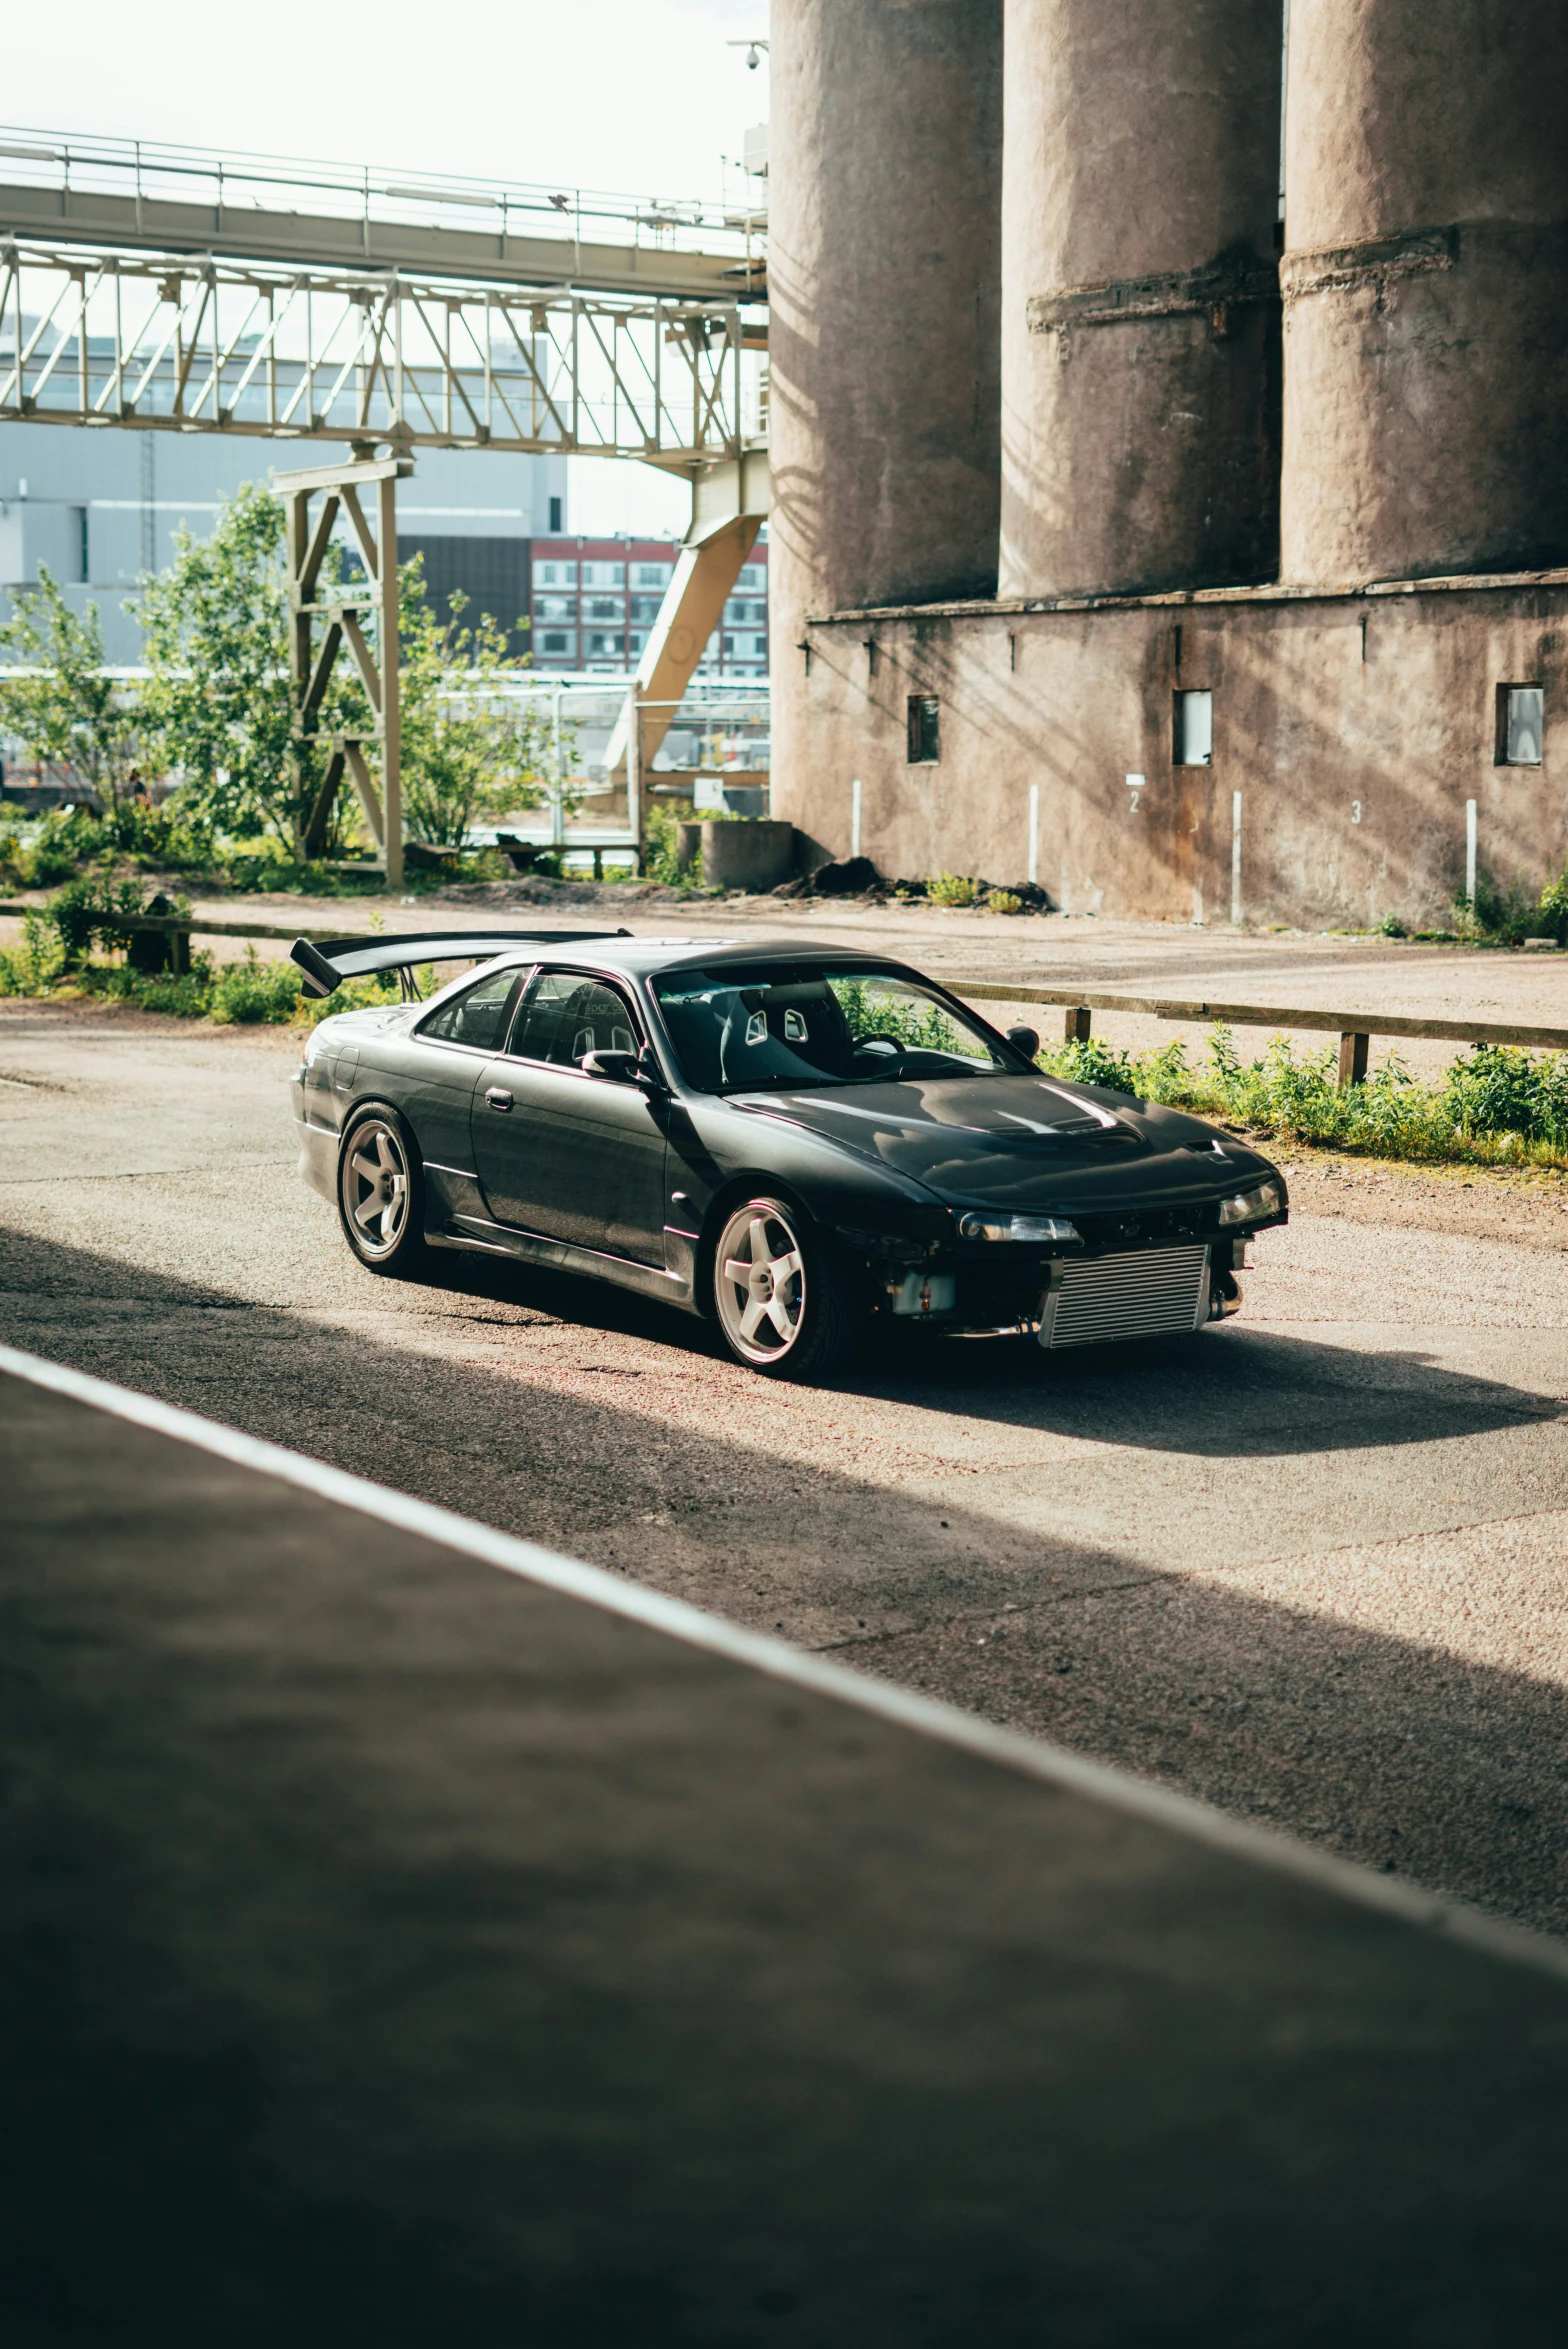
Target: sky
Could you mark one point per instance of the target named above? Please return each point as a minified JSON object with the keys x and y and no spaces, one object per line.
{"x":641,"y":96}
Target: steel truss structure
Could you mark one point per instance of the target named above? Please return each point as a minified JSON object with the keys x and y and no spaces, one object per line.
{"x":176,"y":343}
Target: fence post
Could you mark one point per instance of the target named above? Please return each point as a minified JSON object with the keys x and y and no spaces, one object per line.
{"x":1076,"y":1026}
{"x":1353,"y":1051}
{"x":391,"y":695}
{"x":634,"y":772}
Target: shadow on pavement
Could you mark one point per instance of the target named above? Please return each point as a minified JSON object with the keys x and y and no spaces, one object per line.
{"x":1386,"y":1749}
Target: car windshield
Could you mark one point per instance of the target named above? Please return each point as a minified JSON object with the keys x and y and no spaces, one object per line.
{"x":784,"y":1026}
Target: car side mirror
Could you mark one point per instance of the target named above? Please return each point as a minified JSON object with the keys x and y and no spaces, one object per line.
{"x":619,"y":1067}
{"x":1024,"y":1040}
{"x":649,"y":1074}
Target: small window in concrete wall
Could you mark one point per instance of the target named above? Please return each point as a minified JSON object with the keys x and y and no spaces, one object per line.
{"x":1521,"y":725}
{"x":1193,"y":729}
{"x":925,"y":730}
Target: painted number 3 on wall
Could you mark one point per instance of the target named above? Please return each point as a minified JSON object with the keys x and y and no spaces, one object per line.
{"x":1355,"y":811}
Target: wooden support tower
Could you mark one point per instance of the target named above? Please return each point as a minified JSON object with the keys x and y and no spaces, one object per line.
{"x":339,"y":613}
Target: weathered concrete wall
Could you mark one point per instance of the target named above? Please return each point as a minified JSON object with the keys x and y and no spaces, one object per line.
{"x":1140,"y":316}
{"x":1355,"y":727}
{"x":1426,"y":335}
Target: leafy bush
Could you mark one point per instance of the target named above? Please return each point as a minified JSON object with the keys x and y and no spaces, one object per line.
{"x":1551,"y":913}
{"x":67,"y":839}
{"x":185,"y":994}
{"x":1502,"y":917}
{"x":1500,"y":1089}
{"x":661,"y":844}
{"x":36,"y":961}
{"x":1004,"y":901}
{"x":84,"y":913}
{"x":950,"y":889}
{"x":252,"y":991}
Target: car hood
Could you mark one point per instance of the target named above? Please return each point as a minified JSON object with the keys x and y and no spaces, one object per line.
{"x":1020,"y":1141}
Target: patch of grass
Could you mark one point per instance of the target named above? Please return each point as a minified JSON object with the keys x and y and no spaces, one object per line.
{"x":1498,"y":1105}
{"x":951,"y":889}
{"x":1004,"y":901}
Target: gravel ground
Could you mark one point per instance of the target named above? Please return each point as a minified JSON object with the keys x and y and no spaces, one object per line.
{"x":1310,"y":1565}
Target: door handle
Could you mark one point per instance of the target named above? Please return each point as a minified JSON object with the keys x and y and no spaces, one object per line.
{"x":498,"y":1097}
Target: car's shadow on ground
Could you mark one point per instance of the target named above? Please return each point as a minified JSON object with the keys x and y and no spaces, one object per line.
{"x":1230,"y":1391}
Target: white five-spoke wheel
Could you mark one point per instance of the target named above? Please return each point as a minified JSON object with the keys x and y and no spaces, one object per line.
{"x":378,"y":1192}
{"x":781,"y":1305}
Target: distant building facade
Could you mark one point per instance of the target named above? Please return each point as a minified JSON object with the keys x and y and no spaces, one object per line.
{"x":594,"y":601}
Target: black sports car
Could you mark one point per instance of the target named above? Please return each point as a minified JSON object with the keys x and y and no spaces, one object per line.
{"x":792,"y":1138}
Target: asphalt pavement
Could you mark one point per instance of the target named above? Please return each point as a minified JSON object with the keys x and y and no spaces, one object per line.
{"x":407,"y":1936}
{"x":1309,"y":1566}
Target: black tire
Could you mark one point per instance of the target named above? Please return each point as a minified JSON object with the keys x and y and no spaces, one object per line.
{"x":804,"y":1325}
{"x":377,"y":1159}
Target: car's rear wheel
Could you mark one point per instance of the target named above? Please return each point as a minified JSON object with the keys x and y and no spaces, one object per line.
{"x":380,"y":1197}
{"x":784,"y":1305}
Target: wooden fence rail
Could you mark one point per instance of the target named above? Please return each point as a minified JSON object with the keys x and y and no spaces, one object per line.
{"x":1355,"y":1029}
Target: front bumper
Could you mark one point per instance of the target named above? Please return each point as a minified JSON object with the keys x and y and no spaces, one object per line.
{"x":1000,"y":1289}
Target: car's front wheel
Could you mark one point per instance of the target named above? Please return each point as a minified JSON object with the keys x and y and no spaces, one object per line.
{"x":784,"y":1305}
{"x":380,"y":1204}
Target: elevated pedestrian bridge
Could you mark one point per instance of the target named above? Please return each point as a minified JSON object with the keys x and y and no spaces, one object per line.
{"x":172,"y":290}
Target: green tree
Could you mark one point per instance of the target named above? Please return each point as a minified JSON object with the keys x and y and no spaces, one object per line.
{"x":59,"y":700}
{"x":215,"y":628}
{"x":220,"y":696}
{"x":470,"y":750}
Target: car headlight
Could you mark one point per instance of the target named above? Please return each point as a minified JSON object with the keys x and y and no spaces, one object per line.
{"x":1248,"y":1206}
{"x":1036,"y":1228}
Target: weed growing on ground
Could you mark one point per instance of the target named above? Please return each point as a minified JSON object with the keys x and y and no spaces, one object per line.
{"x":950,"y":889}
{"x":661,"y":850}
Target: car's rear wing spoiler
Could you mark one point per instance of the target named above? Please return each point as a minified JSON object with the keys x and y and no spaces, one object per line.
{"x":327,"y":962}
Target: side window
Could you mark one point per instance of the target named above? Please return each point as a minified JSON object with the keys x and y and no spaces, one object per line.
{"x":1521,"y":725}
{"x":566,"y":1015}
{"x":1192,"y":729}
{"x":478,"y":1015}
{"x":925,"y":730}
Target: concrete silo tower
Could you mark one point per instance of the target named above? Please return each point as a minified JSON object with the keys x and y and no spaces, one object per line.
{"x":1426,"y":288}
{"x":884,"y":285}
{"x":1140,"y":316}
